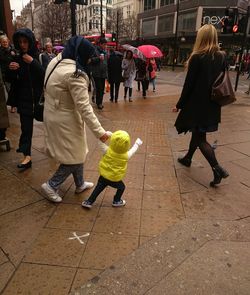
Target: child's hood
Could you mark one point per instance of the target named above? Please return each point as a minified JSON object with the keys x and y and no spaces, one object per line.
{"x":120,"y":142}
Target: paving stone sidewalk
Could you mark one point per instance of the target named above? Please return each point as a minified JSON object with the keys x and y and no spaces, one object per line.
{"x":37,"y":256}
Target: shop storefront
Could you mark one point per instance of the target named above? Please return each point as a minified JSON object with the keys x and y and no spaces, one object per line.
{"x":158,"y":27}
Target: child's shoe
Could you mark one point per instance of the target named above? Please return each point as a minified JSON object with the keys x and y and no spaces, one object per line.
{"x":82,"y":188}
{"x":87,"y":204}
{"x":119,"y":203}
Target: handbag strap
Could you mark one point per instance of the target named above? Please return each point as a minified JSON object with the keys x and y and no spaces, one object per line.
{"x":45,"y":84}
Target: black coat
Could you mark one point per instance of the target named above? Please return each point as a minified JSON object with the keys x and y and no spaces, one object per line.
{"x":115,"y":68}
{"x":6,"y":58}
{"x":99,"y":68}
{"x":28,"y":79}
{"x":197,"y":109}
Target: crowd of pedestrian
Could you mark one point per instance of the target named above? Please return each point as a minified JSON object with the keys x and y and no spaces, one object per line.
{"x":65,"y":78}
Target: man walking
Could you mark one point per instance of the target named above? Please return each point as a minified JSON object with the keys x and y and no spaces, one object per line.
{"x":99,"y":70}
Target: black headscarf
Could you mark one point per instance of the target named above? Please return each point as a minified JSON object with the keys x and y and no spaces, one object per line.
{"x":80,"y":50}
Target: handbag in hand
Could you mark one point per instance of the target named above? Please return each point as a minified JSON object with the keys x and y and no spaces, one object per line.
{"x":222,"y":90}
{"x":39,"y":107}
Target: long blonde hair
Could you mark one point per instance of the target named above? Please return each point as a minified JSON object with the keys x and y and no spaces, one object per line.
{"x":206,"y":41}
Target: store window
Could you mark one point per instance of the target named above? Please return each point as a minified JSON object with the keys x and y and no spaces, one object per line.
{"x":128,"y":11}
{"x":149,"y":4}
{"x":148,"y":27}
{"x":166,"y":2}
{"x":165,"y":23}
{"x":187,"y":21}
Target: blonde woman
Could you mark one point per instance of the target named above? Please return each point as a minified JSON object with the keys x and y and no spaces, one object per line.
{"x":198,"y":114}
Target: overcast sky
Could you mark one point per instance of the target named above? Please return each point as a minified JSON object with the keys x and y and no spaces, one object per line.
{"x":17,"y":5}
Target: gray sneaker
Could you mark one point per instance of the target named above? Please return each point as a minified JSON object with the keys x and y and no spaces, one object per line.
{"x":85,"y":186}
{"x":50,"y":194}
{"x":119,"y":203}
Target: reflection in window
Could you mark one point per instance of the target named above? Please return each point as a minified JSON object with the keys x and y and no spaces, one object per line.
{"x":165,"y":23}
{"x":187,"y":21}
{"x":149,"y":4}
{"x":148,"y":27}
{"x":166,"y":2}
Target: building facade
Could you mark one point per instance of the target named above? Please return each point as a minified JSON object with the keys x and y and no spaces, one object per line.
{"x":88,"y":17}
{"x":172,"y":24}
{"x":6,"y":25}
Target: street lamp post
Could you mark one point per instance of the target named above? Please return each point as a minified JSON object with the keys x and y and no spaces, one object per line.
{"x":101,"y":21}
{"x":176,"y":33}
{"x":117,"y":27}
{"x":73,"y":17}
{"x":31,"y":15}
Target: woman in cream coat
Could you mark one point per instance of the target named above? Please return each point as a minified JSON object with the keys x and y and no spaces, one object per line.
{"x":67,"y":110}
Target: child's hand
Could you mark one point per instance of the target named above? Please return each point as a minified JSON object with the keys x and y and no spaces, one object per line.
{"x":138,"y":141}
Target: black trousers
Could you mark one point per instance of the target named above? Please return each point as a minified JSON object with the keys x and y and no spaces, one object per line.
{"x":2,"y":133}
{"x":102,"y":184}
{"x":99,"y":87}
{"x":144,"y":85}
{"x":114,"y":88}
{"x":25,"y":140}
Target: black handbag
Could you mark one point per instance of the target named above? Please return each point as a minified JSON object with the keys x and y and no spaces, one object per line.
{"x":39,"y":107}
{"x":222,"y":90}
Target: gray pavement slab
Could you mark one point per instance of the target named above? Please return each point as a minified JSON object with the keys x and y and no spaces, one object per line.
{"x":192,"y":256}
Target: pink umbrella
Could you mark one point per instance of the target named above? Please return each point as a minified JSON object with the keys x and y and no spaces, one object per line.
{"x":150,"y":51}
{"x":58,"y":48}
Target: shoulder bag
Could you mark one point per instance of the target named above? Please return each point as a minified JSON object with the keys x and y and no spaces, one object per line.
{"x":222,"y":90}
{"x":39,"y":107}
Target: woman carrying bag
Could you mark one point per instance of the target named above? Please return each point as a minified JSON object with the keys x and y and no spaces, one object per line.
{"x":128,"y":74}
{"x":198,"y":113}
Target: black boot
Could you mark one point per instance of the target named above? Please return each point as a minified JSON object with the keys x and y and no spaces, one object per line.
{"x":219,"y":173}
{"x":185,"y":161}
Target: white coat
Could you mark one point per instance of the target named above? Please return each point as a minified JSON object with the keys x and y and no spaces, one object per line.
{"x":128,"y":65}
{"x":66,"y":110}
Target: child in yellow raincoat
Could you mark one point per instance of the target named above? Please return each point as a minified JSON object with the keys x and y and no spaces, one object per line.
{"x":113,"y":167}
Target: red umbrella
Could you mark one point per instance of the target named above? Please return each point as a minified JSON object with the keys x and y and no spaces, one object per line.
{"x":150,"y":51}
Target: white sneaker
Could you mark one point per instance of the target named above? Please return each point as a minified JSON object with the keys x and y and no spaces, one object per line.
{"x":119,"y":203}
{"x":82,"y":188}
{"x":50,"y":193}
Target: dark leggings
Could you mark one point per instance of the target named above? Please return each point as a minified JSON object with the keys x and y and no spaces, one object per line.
{"x":199,"y":139}
{"x":126,"y":91}
{"x":102,"y":184}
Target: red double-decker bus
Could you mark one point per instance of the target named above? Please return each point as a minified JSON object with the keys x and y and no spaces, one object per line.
{"x":95,"y":38}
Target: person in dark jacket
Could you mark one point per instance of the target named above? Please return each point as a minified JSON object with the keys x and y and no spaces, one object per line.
{"x":99,"y":71}
{"x":114,"y":74}
{"x":28,"y":75}
{"x":141,"y":76}
{"x":7,"y":54}
{"x":199,"y":114}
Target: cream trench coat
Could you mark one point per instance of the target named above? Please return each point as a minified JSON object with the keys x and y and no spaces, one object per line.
{"x":66,"y":110}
